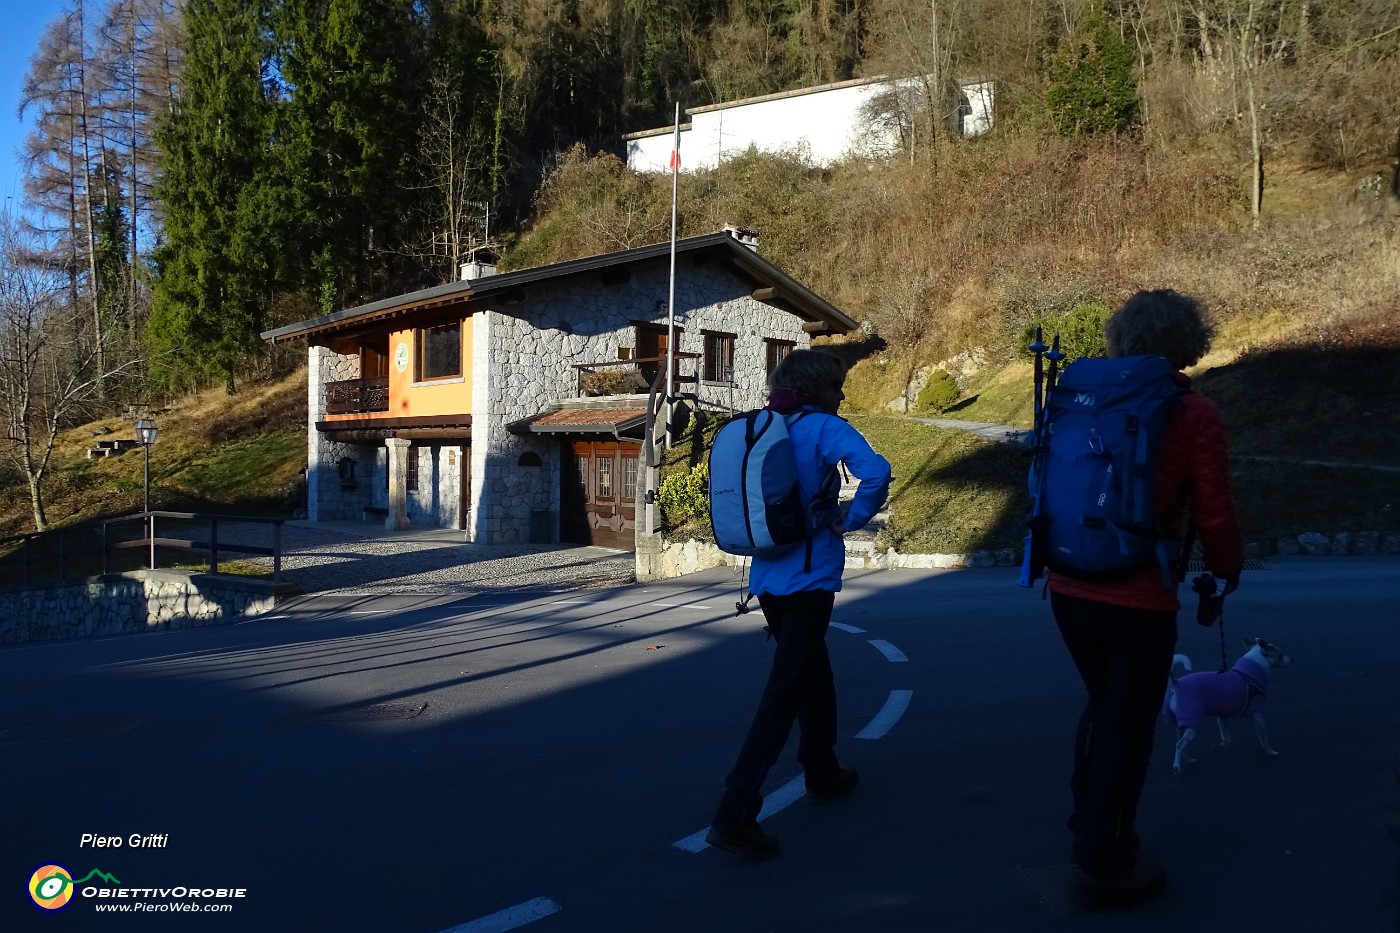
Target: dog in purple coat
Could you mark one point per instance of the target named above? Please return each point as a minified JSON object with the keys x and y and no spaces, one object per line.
{"x":1234,"y":694}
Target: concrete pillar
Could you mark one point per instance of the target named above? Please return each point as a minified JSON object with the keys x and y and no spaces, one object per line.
{"x":315,"y":411}
{"x":397,"y":519}
{"x":649,"y":558}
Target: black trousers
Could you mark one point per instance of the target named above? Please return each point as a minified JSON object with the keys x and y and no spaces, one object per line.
{"x":801,"y":688}
{"x":1124,"y":657}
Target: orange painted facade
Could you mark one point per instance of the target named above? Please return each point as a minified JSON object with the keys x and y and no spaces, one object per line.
{"x":409,"y":399}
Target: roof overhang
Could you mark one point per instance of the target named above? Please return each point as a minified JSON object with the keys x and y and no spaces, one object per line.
{"x":459,"y":299}
{"x":605,"y":419}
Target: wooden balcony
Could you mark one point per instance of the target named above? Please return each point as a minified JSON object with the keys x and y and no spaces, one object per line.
{"x":357,"y":396}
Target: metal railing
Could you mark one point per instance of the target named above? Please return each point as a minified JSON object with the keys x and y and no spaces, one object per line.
{"x":81,"y":551}
{"x":647,"y":368}
{"x":357,"y":396}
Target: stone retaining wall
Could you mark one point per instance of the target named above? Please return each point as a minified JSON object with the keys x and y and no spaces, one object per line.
{"x":141,"y":601}
{"x":677,"y":558}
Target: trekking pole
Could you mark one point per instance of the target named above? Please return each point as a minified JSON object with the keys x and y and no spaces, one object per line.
{"x":1038,"y":348}
{"x":1054,"y":356}
{"x":1030,"y":570}
{"x":1031,"y":564}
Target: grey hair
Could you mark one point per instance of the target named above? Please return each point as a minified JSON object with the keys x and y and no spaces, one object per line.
{"x":814,"y":375}
{"x":1160,"y":323}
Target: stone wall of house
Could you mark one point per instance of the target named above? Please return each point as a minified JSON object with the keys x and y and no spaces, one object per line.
{"x":327,"y":497}
{"x":141,"y":601}
{"x":434,"y":502}
{"x":515,"y":372}
{"x":525,"y":356}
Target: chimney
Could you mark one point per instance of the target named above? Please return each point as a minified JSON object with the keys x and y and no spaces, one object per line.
{"x":481,"y":264}
{"x":747,"y":237}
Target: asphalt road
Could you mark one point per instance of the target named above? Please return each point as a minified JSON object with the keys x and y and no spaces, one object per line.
{"x":396,"y":763}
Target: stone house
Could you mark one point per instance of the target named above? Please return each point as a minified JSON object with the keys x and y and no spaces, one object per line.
{"x":514,"y":406}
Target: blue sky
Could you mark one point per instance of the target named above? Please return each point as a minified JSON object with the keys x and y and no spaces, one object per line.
{"x":24,"y":22}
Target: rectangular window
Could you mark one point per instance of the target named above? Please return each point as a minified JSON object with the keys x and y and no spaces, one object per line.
{"x":777,"y":352}
{"x":719,"y":357}
{"x":605,"y":478}
{"x":411,"y":480}
{"x":629,"y":479}
{"x":439,"y":352}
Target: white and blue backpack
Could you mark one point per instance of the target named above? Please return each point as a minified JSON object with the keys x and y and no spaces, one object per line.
{"x":756,"y":507}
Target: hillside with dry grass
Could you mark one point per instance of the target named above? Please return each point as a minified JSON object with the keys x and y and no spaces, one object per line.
{"x":945,"y":259}
{"x":243,"y":454}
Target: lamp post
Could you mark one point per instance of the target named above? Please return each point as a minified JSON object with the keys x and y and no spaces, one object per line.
{"x":146,"y":436}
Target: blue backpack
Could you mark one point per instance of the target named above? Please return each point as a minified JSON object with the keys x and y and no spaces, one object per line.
{"x":756,"y":508}
{"x":1093,"y":476}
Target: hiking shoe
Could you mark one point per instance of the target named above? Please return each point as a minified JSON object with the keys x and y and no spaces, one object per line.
{"x":1142,"y":882}
{"x":839,"y":784}
{"x":749,"y":841}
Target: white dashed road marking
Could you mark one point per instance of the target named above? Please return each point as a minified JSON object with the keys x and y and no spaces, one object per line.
{"x":510,"y":918}
{"x":848,"y":628}
{"x":891,"y":653}
{"x":781,"y":798}
{"x":889,"y":715}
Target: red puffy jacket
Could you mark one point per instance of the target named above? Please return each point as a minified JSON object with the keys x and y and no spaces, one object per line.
{"x":1193,"y":468}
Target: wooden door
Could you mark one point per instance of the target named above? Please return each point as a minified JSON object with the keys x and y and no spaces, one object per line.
{"x":599,"y":493}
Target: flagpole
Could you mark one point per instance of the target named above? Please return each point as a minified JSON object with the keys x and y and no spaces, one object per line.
{"x":671,"y":302}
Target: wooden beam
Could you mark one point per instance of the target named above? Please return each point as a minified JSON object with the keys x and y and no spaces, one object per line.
{"x":816,"y":327}
{"x":764,"y":294}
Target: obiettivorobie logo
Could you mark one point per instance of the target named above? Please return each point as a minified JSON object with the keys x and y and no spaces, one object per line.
{"x":51,"y":886}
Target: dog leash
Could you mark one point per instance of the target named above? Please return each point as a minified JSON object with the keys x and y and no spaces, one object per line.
{"x":1220,"y":621}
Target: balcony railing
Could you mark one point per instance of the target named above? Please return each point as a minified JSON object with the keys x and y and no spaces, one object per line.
{"x":357,"y":396}
{"x":621,"y":377}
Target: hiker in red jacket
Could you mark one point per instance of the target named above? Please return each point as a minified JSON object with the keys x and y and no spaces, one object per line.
{"x":1121,"y":633}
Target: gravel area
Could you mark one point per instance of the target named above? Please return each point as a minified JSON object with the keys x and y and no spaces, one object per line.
{"x":319,"y":558}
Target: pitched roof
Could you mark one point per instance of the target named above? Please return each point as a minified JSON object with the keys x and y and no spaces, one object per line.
{"x":602,"y":419}
{"x":786,"y":292}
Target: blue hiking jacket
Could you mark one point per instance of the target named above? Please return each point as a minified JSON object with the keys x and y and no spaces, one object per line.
{"x":820,"y":441}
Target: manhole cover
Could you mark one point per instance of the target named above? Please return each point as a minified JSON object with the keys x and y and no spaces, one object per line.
{"x":373,"y":712}
{"x":66,"y":732}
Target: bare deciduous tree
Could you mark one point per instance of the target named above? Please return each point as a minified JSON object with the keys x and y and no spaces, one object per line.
{"x":49,"y":372}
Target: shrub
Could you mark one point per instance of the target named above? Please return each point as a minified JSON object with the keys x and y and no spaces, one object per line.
{"x":614,"y":381}
{"x":940,"y":394}
{"x":684,"y":497}
{"x":1080,"y":330}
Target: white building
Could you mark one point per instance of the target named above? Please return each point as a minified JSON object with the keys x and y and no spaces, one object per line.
{"x":866,"y":116}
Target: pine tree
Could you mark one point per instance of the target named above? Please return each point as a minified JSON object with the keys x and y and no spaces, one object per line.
{"x":215,"y":265}
{"x":1093,"y":86}
{"x":344,"y":139}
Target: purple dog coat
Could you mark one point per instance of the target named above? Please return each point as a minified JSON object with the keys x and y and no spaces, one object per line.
{"x":1226,"y":694}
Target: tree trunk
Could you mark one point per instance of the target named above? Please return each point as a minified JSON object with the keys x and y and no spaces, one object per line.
{"x":36,"y":502}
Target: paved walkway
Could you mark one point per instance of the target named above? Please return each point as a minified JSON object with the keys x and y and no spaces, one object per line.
{"x":364,"y":558}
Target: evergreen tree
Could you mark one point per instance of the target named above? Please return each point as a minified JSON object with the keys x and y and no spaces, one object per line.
{"x":215,"y":265}
{"x":1093,"y":86}
{"x":344,"y":140}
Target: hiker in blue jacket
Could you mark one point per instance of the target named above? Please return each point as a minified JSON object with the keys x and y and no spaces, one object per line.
{"x":797,"y":591}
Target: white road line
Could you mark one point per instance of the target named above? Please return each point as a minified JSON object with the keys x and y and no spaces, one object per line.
{"x":889,"y":715}
{"x":680,"y":606}
{"x":848,"y":628}
{"x":784,"y":796}
{"x":891,"y":653}
{"x":510,"y":918}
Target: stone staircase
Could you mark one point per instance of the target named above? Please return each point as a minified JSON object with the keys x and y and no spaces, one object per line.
{"x":860,"y":545}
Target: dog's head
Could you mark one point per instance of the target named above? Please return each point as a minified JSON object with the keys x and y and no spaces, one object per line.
{"x":1267,"y":651}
